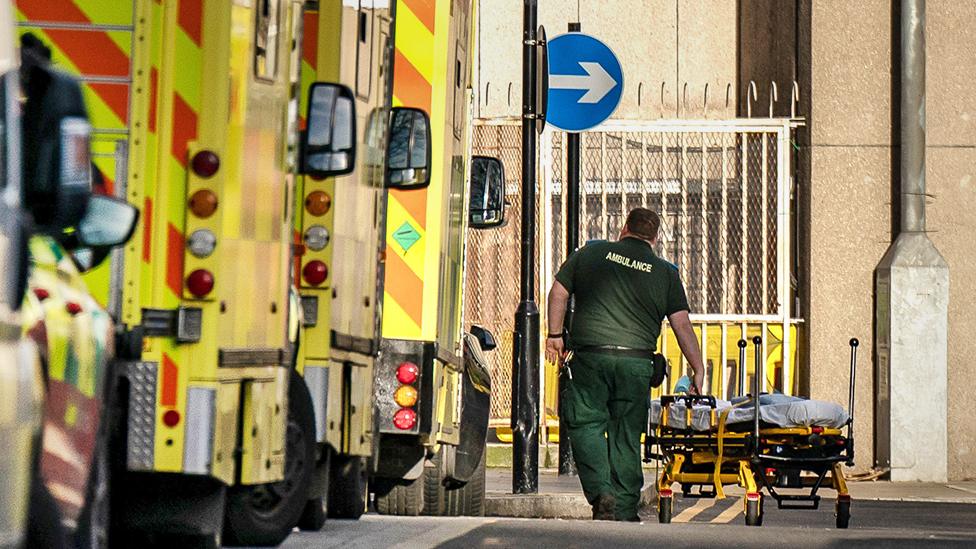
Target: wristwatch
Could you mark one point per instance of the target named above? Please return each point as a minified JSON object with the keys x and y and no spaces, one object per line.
{"x":554,"y":336}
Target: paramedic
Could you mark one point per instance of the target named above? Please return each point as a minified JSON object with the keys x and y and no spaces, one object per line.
{"x":623,"y":291}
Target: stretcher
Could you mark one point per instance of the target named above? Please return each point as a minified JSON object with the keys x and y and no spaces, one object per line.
{"x":762,"y":444}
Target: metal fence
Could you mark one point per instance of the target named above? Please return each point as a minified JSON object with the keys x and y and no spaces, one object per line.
{"x":723,"y":189}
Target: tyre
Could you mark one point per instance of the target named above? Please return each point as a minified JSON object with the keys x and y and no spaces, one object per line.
{"x":93,"y":524}
{"x":399,"y":497}
{"x":265,"y":514}
{"x":665,"y":506}
{"x":753,"y":513}
{"x":452,"y":499}
{"x":347,"y":487}
{"x":316,"y":509}
{"x":470,"y":498}
{"x":44,"y":523}
{"x":843,"y":514}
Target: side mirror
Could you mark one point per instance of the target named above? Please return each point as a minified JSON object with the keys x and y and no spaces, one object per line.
{"x":14,"y":236}
{"x":486,"y":208}
{"x":108,"y":222}
{"x":57,"y":154}
{"x":485,"y":338}
{"x":408,"y":150}
{"x":328,"y":145}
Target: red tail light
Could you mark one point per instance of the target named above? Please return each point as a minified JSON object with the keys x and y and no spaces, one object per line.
{"x":171,"y":418}
{"x":405,"y":419}
{"x":315,"y":273}
{"x":200,"y":282}
{"x":205,"y":163}
{"x":407,"y":373}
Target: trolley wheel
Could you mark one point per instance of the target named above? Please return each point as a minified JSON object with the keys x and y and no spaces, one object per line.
{"x":843,"y":514}
{"x":754,"y":513}
{"x":664,"y":507}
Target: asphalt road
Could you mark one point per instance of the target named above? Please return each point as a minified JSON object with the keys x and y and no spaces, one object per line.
{"x":714,"y":524}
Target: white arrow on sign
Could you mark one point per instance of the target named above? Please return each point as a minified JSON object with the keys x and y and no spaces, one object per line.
{"x":597,"y":82}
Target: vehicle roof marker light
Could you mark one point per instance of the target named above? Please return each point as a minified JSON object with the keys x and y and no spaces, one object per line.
{"x":318,"y":203}
{"x":315,"y":273}
{"x":205,"y":163}
{"x":203,"y":203}
{"x":200,"y":282}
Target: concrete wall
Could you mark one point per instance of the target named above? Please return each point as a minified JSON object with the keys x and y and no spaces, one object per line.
{"x":669,"y":42}
{"x":951,"y":182}
{"x":851,"y":202}
{"x":848,"y":191}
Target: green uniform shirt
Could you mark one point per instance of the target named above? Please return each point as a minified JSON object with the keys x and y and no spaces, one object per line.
{"x":623,"y":292}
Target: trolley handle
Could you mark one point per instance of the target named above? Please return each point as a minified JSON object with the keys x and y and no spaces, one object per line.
{"x":689,"y":400}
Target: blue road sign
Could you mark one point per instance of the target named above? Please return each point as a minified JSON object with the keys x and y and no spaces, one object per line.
{"x":585,"y":82}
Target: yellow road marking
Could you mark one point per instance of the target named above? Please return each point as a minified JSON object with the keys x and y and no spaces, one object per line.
{"x":695,"y":510}
{"x":729,"y":514}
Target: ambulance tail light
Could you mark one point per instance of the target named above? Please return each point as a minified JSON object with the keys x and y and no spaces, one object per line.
{"x":203,"y":203}
{"x":200,"y":282}
{"x":407,"y":373}
{"x":318,"y":203}
{"x":315,"y":273}
{"x":405,"y":419}
{"x":405,"y":396}
{"x":205,"y":164}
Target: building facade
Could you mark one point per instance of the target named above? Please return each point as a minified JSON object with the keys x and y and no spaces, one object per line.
{"x":836,"y":66}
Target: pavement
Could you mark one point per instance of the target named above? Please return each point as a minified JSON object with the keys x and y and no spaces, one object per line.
{"x":562,"y":497}
{"x":873,"y":524}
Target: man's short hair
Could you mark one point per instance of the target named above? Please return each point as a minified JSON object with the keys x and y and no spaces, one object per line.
{"x":643,"y":223}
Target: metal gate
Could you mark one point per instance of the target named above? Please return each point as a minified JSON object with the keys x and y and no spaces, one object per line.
{"x":723,"y":189}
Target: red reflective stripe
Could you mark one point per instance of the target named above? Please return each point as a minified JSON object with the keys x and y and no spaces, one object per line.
{"x":93,"y":52}
{"x":409,"y":85}
{"x":174,"y":260}
{"x":116,"y":96}
{"x":409,"y":289}
{"x":184,"y":128}
{"x":167,"y":393}
{"x":415,"y":202}
{"x":425,"y":10}
{"x":147,"y":213}
{"x":191,"y":19}
{"x":310,"y":40}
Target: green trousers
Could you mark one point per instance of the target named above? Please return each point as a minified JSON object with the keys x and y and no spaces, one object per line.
{"x":604,"y":405}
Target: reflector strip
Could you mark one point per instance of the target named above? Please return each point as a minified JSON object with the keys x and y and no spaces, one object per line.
{"x":167,"y":396}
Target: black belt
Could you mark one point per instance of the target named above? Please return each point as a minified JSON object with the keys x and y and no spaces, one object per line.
{"x":616,"y":351}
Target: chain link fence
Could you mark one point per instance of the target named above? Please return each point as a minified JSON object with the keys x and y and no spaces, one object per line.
{"x":722,"y":190}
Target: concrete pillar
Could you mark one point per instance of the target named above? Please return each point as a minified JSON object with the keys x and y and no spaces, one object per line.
{"x":912,"y":299}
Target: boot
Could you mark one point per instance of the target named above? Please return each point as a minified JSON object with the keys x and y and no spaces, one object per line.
{"x":604,"y":507}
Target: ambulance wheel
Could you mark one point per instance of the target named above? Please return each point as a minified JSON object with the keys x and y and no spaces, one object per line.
{"x":347,"y":487}
{"x":316,"y":508}
{"x":664,"y":507}
{"x":753,"y":513}
{"x":314,"y":515}
{"x":399,"y":497}
{"x":843,"y":514}
{"x":265,"y":514}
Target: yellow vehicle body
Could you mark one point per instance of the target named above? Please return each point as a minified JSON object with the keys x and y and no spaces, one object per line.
{"x":21,"y":385}
{"x":443,"y":449}
{"x":345,"y":44}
